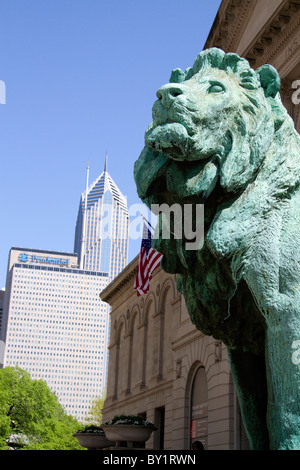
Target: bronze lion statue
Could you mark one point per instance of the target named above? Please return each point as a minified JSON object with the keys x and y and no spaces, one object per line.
{"x":221,"y":137}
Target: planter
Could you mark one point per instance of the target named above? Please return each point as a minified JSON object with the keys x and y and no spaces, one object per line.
{"x":93,"y":441}
{"x":127,"y":433}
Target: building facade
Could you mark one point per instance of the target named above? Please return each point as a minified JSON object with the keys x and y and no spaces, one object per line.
{"x":102,"y":227}
{"x":54,"y":325}
{"x":160,"y":365}
{"x":2,"y":293}
{"x":102,"y":234}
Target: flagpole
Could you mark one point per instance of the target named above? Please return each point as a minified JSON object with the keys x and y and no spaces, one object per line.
{"x":149,"y":260}
{"x":147,"y":221}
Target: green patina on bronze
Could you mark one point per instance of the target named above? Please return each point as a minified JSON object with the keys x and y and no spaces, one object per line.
{"x":221,"y":137}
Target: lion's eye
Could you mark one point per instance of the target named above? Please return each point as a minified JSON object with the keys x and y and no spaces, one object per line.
{"x":216,"y":88}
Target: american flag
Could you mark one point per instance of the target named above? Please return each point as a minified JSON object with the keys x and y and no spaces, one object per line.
{"x":148,"y":262}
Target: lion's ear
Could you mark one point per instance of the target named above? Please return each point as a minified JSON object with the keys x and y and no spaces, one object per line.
{"x":177,"y":76}
{"x":270,"y":82}
{"x":269,"y":79}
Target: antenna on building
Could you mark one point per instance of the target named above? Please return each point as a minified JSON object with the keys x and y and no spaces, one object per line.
{"x":105,"y":164}
{"x":82,"y":248}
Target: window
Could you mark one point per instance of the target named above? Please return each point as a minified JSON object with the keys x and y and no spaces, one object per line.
{"x":199,"y":407}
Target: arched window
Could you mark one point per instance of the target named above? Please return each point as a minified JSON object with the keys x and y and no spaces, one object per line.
{"x":199,"y":408}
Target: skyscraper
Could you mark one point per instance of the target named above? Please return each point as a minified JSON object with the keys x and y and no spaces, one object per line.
{"x":54,"y":324}
{"x":101,"y":237}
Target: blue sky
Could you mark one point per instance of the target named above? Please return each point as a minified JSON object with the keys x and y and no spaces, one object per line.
{"x":81,"y":78}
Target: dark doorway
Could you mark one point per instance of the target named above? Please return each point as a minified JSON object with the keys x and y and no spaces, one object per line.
{"x":160,"y":424}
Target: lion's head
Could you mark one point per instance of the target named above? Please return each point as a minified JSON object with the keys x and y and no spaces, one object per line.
{"x":215,"y":113}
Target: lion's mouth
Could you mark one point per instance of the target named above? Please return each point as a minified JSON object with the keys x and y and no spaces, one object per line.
{"x":183,"y":182}
{"x":157,"y":191}
{"x":171,"y":168}
{"x":171,"y":138}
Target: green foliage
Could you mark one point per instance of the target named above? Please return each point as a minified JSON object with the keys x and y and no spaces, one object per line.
{"x":129,"y":419}
{"x":91,"y":429}
{"x":30,"y":409}
{"x":95,"y":413}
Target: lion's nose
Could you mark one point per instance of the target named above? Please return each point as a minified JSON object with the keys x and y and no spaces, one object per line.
{"x":168,"y":93}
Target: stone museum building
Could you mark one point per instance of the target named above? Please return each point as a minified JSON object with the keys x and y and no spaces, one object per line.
{"x":160,"y":365}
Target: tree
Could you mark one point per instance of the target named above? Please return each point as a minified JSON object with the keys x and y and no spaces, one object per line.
{"x":30,"y":409}
{"x":95,"y":413}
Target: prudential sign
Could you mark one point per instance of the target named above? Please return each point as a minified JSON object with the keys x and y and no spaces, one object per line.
{"x":24,"y":257}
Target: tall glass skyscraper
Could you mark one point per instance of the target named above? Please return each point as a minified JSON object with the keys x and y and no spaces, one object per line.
{"x":102,"y":235}
{"x":102,"y":228}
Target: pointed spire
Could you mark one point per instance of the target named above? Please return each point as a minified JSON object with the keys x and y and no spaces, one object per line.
{"x":105,"y":164}
{"x":83,"y":241}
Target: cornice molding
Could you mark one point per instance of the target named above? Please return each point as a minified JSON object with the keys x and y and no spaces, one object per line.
{"x":288,"y":45}
{"x":240,"y":14}
{"x":278,"y":32}
{"x":120,"y":281}
{"x":229,"y":23}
